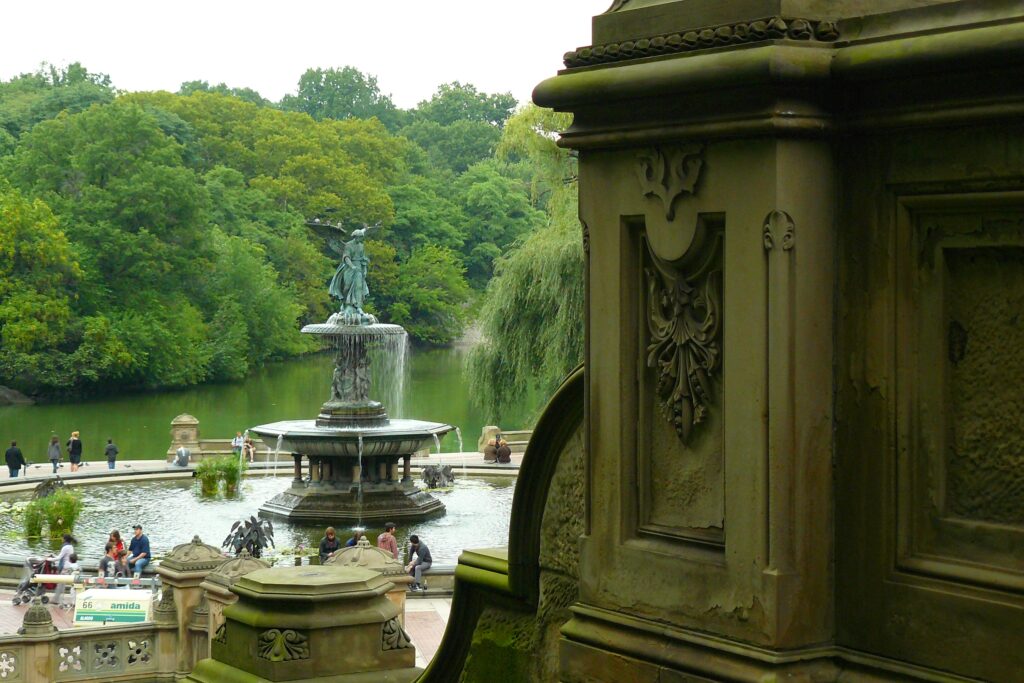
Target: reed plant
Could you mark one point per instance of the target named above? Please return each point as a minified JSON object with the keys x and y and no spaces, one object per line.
{"x":208,"y":474}
{"x":230,"y":470}
{"x":59,"y":510}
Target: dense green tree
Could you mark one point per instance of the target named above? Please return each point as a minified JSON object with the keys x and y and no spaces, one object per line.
{"x":341,"y":94}
{"x":37,"y":270}
{"x":497,"y":213}
{"x":423,"y":215}
{"x":454,"y":147}
{"x":30,"y":98}
{"x":431,"y":295}
{"x":455,"y":102}
{"x":246,"y":94}
{"x":532,"y":312}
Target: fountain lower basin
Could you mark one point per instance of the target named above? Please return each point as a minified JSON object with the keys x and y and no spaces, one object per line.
{"x":397,"y":438}
{"x":354,"y":471}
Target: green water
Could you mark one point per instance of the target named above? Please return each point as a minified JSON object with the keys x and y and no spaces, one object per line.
{"x":435,"y":390}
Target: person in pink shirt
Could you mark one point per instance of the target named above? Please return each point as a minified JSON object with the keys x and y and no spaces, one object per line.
{"x":386,"y":541}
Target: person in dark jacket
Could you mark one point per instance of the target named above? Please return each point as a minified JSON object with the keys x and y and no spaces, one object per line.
{"x":15,"y":460}
{"x":329,"y":545}
{"x":419,"y":562}
{"x":111,"y":452}
{"x":75,"y":451}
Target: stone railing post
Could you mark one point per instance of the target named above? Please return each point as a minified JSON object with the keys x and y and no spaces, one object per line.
{"x":365,"y":556}
{"x":182,"y":572}
{"x":305,"y":623}
{"x":217,"y":588}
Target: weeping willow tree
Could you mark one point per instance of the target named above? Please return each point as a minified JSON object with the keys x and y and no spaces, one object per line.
{"x":532,"y":312}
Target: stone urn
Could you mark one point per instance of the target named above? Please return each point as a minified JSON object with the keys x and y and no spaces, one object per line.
{"x":365,"y":556}
{"x":307,"y":623}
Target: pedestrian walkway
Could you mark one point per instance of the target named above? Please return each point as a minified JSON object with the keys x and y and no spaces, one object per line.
{"x":471,"y":463}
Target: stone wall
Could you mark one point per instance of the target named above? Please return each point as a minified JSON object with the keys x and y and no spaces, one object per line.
{"x":517,"y":645}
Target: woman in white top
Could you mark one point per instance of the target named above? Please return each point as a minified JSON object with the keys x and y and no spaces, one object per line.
{"x":66,"y":551}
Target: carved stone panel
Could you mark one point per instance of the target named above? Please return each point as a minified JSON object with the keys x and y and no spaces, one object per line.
{"x":680,"y":464}
{"x":964,"y":338}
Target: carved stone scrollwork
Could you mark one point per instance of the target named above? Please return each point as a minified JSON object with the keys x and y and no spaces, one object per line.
{"x":669,"y":173}
{"x":779,"y":221}
{"x":703,"y":38}
{"x":684,"y":319}
{"x":394,"y":636}
{"x":276,"y":645}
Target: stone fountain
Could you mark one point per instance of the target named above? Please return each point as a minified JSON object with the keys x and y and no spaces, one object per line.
{"x":353,"y":447}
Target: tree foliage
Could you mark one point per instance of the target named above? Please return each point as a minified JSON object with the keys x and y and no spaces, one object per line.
{"x":532,"y":312}
{"x":160,"y":239}
{"x":341,"y":94}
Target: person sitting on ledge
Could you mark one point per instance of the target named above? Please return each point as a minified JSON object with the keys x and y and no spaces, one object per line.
{"x":352,"y":542}
{"x":139,"y":549}
{"x":329,"y":545}
{"x":420,"y":561}
{"x":108,"y":563}
{"x":504,"y":453}
{"x":386,"y":541}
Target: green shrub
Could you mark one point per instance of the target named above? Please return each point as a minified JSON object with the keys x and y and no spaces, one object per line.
{"x":230,"y":470}
{"x":60,"y":511}
{"x":34,"y":520}
{"x":208,"y":475}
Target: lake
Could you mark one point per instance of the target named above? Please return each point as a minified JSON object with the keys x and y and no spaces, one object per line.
{"x":434,"y":389}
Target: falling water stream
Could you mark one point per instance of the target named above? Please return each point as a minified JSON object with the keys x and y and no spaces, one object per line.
{"x":458,"y":435}
{"x":359,"y":485}
{"x":277,"y":452}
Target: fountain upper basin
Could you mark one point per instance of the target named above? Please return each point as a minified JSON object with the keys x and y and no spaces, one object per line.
{"x":399,"y":437}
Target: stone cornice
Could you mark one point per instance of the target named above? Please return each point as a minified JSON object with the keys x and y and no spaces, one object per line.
{"x":706,"y":38}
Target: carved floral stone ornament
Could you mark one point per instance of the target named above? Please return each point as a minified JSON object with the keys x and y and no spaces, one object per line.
{"x":394,"y":636}
{"x":684,"y":320}
{"x":669,"y":173}
{"x":775,"y":223}
{"x":277,"y":645}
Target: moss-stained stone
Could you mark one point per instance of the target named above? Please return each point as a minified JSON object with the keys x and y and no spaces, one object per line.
{"x":511,"y":645}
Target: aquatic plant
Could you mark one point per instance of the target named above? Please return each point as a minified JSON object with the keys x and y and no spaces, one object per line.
{"x":230,"y":470}
{"x":250,"y":534}
{"x":33,"y":521}
{"x":208,"y":474}
{"x":60,"y":510}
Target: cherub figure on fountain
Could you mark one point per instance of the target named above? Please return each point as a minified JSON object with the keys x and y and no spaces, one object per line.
{"x":349,"y":281}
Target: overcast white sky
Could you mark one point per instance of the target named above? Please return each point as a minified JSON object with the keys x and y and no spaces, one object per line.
{"x":412,"y":46}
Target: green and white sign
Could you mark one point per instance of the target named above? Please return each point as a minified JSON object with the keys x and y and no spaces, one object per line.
{"x":100,"y":606}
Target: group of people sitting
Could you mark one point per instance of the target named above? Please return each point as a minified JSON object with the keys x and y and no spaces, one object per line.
{"x":497,"y":450}
{"x":117,"y":561}
{"x":419,"y":554}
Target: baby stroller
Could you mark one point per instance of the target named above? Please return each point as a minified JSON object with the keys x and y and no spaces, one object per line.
{"x":28,"y":590}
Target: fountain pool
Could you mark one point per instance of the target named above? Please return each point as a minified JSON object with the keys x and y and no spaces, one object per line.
{"x":171,"y":512}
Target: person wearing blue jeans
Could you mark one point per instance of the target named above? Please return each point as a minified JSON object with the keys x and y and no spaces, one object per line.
{"x":138,"y":551}
{"x":111,"y":452}
{"x":419,"y":562}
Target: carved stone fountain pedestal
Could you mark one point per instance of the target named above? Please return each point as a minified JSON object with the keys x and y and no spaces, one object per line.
{"x":323,"y":623}
{"x":359,"y":458}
